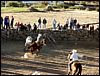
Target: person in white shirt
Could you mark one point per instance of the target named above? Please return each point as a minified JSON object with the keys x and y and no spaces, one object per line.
{"x":38,"y":38}
{"x":54,"y":24}
{"x":28,"y":40}
{"x":73,"y":57}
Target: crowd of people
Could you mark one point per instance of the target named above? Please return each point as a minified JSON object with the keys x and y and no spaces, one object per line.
{"x":70,"y":23}
{"x":7,"y":22}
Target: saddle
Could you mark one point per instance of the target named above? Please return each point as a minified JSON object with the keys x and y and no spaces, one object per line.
{"x":74,"y":62}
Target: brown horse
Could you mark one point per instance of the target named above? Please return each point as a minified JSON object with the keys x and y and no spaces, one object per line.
{"x":76,"y":67}
{"x":35,"y":46}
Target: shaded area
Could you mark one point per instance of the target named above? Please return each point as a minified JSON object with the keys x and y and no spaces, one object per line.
{"x":42,"y":69}
{"x":11,"y":73}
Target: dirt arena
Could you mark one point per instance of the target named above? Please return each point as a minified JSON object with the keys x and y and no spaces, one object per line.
{"x":52,"y":58}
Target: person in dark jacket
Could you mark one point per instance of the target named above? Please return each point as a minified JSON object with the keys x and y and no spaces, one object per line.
{"x":39,"y":22}
{"x":12,"y":21}
{"x":6,"y":22}
{"x":29,"y":27}
{"x":44,"y":23}
{"x":1,"y":22}
{"x":35,"y":27}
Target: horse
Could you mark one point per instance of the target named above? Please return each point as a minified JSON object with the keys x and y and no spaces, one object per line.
{"x":34,"y":48}
{"x":76,"y":67}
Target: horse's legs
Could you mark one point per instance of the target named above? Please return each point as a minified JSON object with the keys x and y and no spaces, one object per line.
{"x":80,"y":70}
{"x":37,"y":52}
{"x":74,"y":72}
{"x":70,"y":72}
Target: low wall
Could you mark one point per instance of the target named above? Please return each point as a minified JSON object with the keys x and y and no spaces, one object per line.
{"x":57,"y":35}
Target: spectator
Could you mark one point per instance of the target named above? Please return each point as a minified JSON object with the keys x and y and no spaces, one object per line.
{"x":23,"y":27}
{"x":54,"y":24}
{"x":44,"y":23}
{"x":74,"y":23}
{"x":91,"y":30}
{"x":29,"y":27}
{"x":87,"y":26}
{"x":78,"y":26}
{"x":18,"y":26}
{"x":70,"y":23}
{"x":59,"y":27}
{"x":2,"y":22}
{"x":39,"y":22}
{"x":83,"y":27}
{"x":6,"y":22}
{"x":34,"y":27}
{"x":12,"y":21}
{"x":66,"y":25}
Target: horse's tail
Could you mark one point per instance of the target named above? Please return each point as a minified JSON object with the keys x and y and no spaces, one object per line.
{"x":79,"y":69}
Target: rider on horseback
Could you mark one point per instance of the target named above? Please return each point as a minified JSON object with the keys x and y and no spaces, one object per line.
{"x":29,"y":41}
{"x":73,"y":57}
{"x":38,"y":38}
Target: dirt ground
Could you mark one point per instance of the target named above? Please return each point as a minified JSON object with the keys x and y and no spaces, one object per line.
{"x":51,"y":59}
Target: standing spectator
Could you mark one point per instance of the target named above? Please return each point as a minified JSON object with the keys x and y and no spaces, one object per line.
{"x":91,"y":30}
{"x":54,"y":24}
{"x":87,"y":26}
{"x":70,"y":23}
{"x":29,"y":27}
{"x":12,"y":21}
{"x":6,"y":22}
{"x":66,"y":25}
{"x":17,"y":24}
{"x":78,"y":26}
{"x":44,"y":23}
{"x":1,"y":22}
{"x":34,"y":27}
{"x":39,"y":22}
{"x":59,"y":27}
{"x":83,"y":27}
{"x":74,"y":22}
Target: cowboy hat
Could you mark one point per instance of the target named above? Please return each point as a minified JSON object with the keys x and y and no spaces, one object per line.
{"x":74,"y":50}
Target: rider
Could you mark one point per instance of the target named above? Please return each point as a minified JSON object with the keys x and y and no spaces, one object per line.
{"x":73,"y":57}
{"x":28,"y":41}
{"x":38,"y":38}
